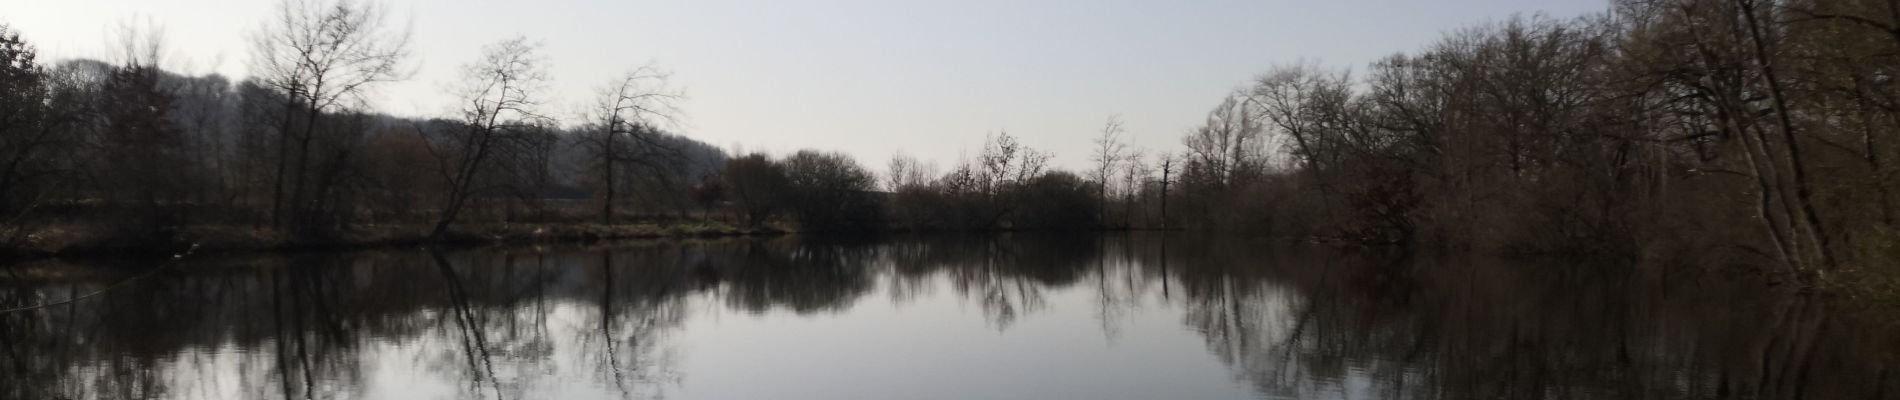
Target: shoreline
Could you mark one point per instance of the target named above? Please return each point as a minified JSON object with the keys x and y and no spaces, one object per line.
{"x":81,"y":242}
{"x":88,"y":241}
{"x":76,"y":242}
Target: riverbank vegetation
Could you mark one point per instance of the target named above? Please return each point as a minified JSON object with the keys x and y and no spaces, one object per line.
{"x":1712,"y":133}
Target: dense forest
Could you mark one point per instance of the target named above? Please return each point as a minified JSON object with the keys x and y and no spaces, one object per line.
{"x":1688,"y":132}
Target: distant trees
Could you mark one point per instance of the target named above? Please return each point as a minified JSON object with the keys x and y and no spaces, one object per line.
{"x":1136,"y":175}
{"x":1059,"y":200}
{"x":1108,"y":156}
{"x":820,"y":191}
{"x":205,"y":109}
{"x":1701,"y":131}
{"x":1229,"y":146}
{"x":913,"y":187}
{"x":906,"y":172}
{"x":145,"y":146}
{"x":831,"y":192}
{"x":1007,"y":186}
{"x":757,"y":185}
{"x":296,"y":147}
{"x":401,"y":160}
{"x":994,"y":183}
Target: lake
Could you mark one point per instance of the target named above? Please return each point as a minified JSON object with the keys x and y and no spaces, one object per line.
{"x":1119,"y":316}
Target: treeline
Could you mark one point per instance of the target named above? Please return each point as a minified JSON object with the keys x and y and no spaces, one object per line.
{"x":133,"y":154}
{"x":1007,"y":187}
{"x":1703,"y":132}
{"x":1736,"y":129}
{"x":1699,"y":132}
{"x":1710,"y":132}
{"x":144,"y":153}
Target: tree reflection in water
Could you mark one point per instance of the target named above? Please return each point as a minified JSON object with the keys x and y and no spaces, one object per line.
{"x":608,"y":322}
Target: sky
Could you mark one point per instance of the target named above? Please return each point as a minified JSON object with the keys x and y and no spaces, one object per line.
{"x":928,"y":79}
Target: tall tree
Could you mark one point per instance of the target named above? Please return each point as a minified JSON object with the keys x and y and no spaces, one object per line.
{"x":830,"y":192}
{"x":500,"y":97}
{"x":1004,"y":166}
{"x":144,"y":145}
{"x":905,"y":171}
{"x":1302,"y":102}
{"x":1109,"y":153}
{"x":321,"y":56}
{"x":757,"y":186}
{"x":29,"y":130}
{"x":1227,"y":145}
{"x":627,"y":113}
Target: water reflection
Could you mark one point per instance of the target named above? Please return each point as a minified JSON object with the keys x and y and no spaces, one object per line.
{"x":696,"y":320}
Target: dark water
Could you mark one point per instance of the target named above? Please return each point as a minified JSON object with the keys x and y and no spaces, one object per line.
{"x":1028,"y":317}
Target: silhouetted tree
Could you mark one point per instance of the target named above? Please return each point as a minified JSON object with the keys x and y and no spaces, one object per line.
{"x":757,"y":186}
{"x":831,"y":192}
{"x":626,"y":112}
{"x":1058,"y":200}
{"x":30,"y":122}
{"x":320,"y":56}
{"x":1109,"y":154}
{"x":499,"y":115}
{"x":144,"y":146}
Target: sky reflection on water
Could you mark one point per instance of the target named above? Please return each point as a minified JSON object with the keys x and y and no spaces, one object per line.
{"x":1023,"y":316}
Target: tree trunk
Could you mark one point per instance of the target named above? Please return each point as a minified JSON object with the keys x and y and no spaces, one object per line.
{"x":1802,"y":191}
{"x":283,"y":158}
{"x":607,"y":206}
{"x":302,"y":172}
{"x":463,"y":182}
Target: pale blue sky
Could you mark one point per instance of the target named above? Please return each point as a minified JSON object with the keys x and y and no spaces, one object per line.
{"x":871,"y":78}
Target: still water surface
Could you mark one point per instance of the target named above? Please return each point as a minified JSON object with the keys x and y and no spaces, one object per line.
{"x":1029,"y":317}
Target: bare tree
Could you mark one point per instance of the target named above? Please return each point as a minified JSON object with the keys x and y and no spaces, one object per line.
{"x":758,"y":185}
{"x":141,"y":146}
{"x":1006,"y":162}
{"x":906,"y":171}
{"x":205,"y":109}
{"x":1135,"y":170}
{"x":322,"y":56}
{"x":828,"y":191}
{"x":144,"y":144}
{"x":1305,"y":103}
{"x":1004,"y":167}
{"x":626,"y":112}
{"x":1227,"y":144}
{"x":1168,"y":164}
{"x":1109,"y":153}
{"x":138,"y":44}
{"x":500,"y":108}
